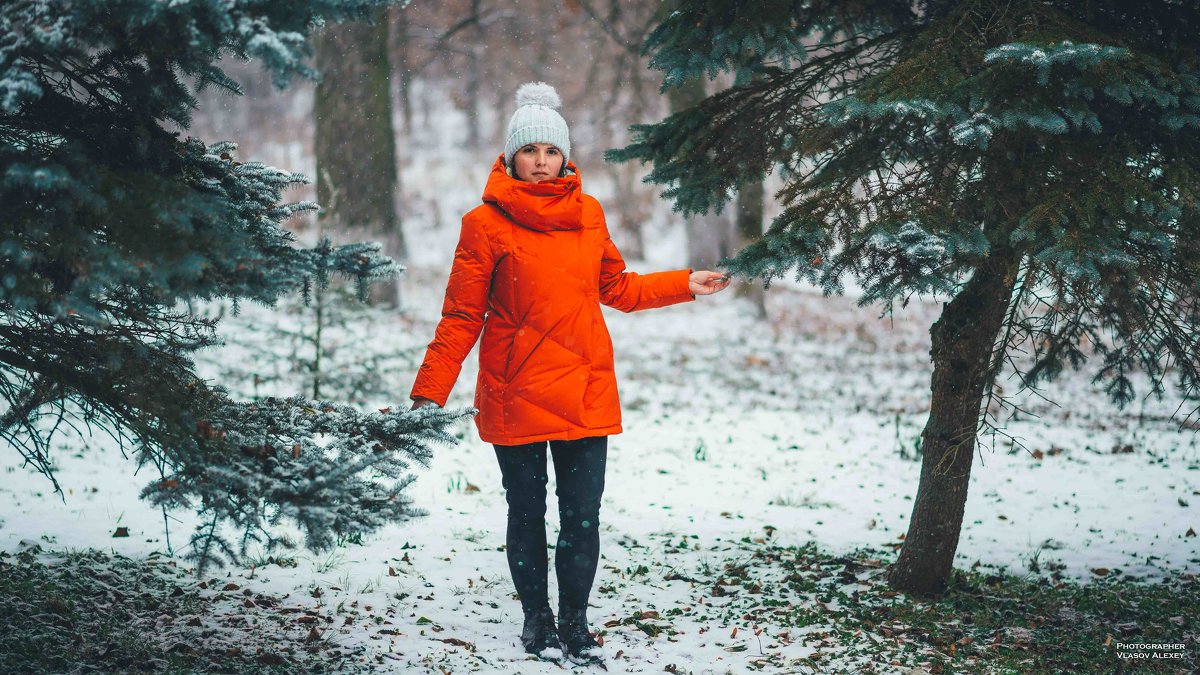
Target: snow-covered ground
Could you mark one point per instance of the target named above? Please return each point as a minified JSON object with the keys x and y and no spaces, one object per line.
{"x":794,"y":430}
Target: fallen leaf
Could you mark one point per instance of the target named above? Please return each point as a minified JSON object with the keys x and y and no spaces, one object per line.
{"x":121,"y":532}
{"x":1129,"y":628}
{"x":457,"y":642}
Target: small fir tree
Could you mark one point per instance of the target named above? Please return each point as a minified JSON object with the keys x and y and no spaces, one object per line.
{"x":113,"y":225}
{"x":1036,"y":163}
{"x":323,"y":342}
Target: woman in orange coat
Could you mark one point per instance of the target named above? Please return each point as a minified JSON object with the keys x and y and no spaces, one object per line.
{"x":532,"y":266}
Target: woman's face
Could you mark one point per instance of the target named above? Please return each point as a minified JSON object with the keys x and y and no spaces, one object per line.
{"x":537,"y":162}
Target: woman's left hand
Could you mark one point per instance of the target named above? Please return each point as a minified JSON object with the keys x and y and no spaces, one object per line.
{"x":707,"y":283}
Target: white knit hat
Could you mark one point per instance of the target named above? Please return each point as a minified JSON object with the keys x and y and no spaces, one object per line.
{"x":537,"y":121}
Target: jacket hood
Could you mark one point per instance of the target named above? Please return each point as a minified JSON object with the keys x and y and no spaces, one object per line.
{"x":555,"y":204}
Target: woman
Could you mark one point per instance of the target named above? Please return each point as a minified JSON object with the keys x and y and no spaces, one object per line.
{"x":532,"y":266}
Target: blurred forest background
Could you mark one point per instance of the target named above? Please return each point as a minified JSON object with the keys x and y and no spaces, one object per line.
{"x":399,"y":136}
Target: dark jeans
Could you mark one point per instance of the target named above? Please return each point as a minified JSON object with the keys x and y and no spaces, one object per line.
{"x":579,"y":473}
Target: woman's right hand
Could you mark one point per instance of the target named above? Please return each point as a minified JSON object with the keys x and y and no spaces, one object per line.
{"x":421,"y":403}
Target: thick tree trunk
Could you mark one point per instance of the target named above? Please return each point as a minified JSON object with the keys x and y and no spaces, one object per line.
{"x":963,"y":341}
{"x":404,"y":67}
{"x":710,"y":236}
{"x":354,"y":143}
{"x":750,"y":207}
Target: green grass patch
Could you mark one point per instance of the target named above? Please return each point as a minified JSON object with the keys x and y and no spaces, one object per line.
{"x":986,"y":622}
{"x":91,"y":612}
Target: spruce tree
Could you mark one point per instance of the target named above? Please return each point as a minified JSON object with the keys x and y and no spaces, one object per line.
{"x":113,"y":224}
{"x":1035,"y":163}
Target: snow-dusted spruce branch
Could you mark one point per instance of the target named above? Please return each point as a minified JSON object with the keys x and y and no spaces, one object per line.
{"x":113,"y":226}
{"x":17,"y":424}
{"x":336,"y":472}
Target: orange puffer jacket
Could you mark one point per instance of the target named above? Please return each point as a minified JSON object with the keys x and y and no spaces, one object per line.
{"x":532,"y":266}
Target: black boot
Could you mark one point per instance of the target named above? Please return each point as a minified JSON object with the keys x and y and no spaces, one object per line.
{"x":577,"y":642}
{"x":538,"y":633}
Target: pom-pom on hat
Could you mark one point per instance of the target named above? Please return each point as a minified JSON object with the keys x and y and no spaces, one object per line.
{"x":536,"y":120}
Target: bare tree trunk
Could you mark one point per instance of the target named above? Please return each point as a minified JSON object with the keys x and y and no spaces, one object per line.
{"x":750,"y":209}
{"x":474,"y":76}
{"x":709,"y":236}
{"x":354,"y":143}
{"x":632,"y":213}
{"x":964,"y":338}
{"x":404,"y":67}
{"x":607,"y":32}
